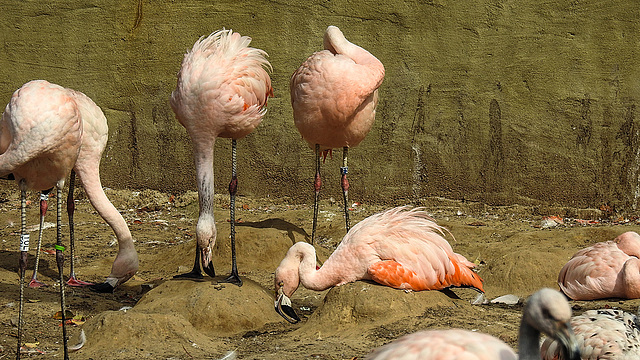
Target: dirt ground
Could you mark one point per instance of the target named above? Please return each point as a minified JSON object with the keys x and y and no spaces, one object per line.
{"x":153,"y":316}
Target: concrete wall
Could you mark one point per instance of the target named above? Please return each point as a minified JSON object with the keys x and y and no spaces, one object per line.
{"x":514,"y":101}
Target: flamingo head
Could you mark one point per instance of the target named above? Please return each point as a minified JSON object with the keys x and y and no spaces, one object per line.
{"x":286,"y":283}
{"x":549,"y":312}
{"x":207,"y":262}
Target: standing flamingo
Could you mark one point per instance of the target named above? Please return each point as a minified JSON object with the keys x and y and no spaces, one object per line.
{"x":601,"y":334}
{"x":608,"y":269}
{"x":334,"y":94}
{"x":222,"y":91}
{"x":40,"y":138}
{"x":547,"y":311}
{"x":400,"y":247}
{"x":87,"y":167}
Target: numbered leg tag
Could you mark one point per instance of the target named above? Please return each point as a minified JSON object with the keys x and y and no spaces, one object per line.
{"x":24,"y":242}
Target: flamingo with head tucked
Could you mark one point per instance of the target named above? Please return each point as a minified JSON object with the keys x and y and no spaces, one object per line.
{"x":401,"y":247}
{"x":334,"y":94}
{"x":222,"y":91}
{"x":608,"y":269}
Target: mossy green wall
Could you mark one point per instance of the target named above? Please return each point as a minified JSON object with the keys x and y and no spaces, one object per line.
{"x":506,"y":102}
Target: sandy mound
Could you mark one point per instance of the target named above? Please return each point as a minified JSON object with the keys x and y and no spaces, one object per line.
{"x":364,"y":305}
{"x":193,"y":315}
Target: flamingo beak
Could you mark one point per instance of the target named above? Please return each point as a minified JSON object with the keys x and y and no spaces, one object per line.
{"x":283,"y":307}
{"x":569,"y":343}
{"x":207,"y":263}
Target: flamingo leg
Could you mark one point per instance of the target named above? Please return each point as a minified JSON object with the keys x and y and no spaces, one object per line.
{"x":60,"y":263}
{"x":71,"y":207}
{"x":24,"y":248}
{"x":34,"y":283}
{"x":317,"y":184}
{"x":234,"y":277}
{"x":345,"y":185}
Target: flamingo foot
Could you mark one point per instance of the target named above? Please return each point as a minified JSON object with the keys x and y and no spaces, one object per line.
{"x":79,"y":283}
{"x":194,"y":274}
{"x":103,"y":288}
{"x":36,"y":283}
{"x":234,"y":278}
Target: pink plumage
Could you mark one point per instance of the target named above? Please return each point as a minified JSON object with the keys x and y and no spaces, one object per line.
{"x":445,"y":344}
{"x":608,"y":269}
{"x":94,"y":141}
{"x":334,"y":93}
{"x":401,"y":247}
{"x":48,"y":131}
{"x":604,"y":334}
{"x":40,"y":136}
{"x":546,"y":311}
{"x":222,"y":91}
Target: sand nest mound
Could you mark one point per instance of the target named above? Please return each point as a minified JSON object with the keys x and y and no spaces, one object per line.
{"x":201,"y":317}
{"x":182,"y":313}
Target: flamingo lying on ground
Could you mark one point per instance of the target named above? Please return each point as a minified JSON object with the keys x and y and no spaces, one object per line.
{"x":87,"y":167}
{"x":608,"y":269}
{"x":222,"y":91}
{"x":40,"y":138}
{"x":546,"y":311}
{"x":334,"y":94}
{"x":601,"y":334}
{"x":401,"y":247}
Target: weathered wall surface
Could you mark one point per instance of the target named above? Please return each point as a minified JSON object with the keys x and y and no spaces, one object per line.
{"x":502,"y":101}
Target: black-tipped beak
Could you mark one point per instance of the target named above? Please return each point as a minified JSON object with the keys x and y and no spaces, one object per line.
{"x":569,"y":343}
{"x":103,"y":288}
{"x":283,"y":307}
{"x":208,"y":269}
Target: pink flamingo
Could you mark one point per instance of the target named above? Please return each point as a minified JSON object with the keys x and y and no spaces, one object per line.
{"x":40,"y":138}
{"x":222,"y":91}
{"x":400,"y":247}
{"x":87,"y":167}
{"x":601,"y":334}
{"x":334,"y":94}
{"x":608,"y":269}
{"x":547,"y":311}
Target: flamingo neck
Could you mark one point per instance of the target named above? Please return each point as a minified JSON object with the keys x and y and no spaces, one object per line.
{"x":203,"y":157}
{"x":528,"y":342}
{"x":311,"y":278}
{"x":335,"y":42}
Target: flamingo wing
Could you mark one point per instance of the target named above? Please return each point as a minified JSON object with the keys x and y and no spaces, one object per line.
{"x":412,"y":252}
{"x":592,"y":272}
{"x":223,"y":78}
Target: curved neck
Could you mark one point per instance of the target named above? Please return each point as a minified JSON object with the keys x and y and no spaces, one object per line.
{"x":528,"y":342}
{"x":311,"y":278}
{"x":335,"y":42}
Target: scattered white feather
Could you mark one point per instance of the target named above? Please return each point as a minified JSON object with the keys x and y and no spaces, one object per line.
{"x":81,"y":341}
{"x":231,"y":355}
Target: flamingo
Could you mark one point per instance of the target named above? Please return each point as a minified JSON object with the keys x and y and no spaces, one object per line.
{"x":222,"y":91}
{"x":400,"y":247}
{"x":40,"y":138}
{"x":601,"y":334}
{"x":334,"y":94}
{"x":87,"y":167}
{"x":604,"y":270}
{"x":546,"y":311}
